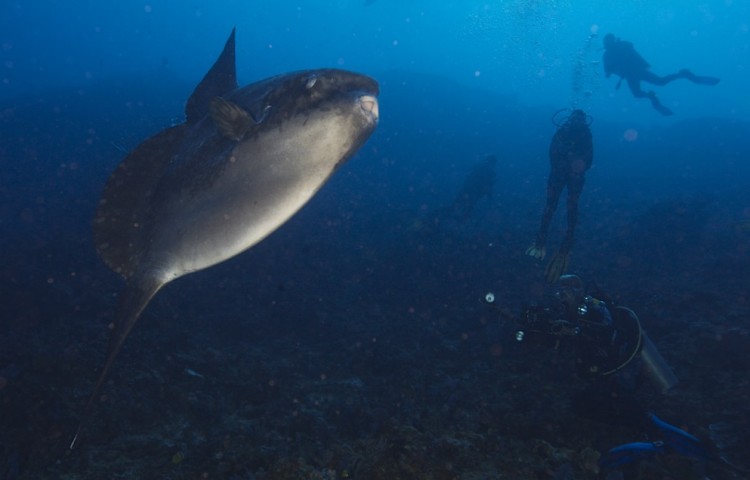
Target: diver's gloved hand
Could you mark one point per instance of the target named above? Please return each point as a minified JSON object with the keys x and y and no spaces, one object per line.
{"x":536,"y":251}
{"x":557,"y":266}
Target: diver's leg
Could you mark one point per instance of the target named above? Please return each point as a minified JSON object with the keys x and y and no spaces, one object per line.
{"x":559,"y":263}
{"x":651,"y":77}
{"x":699,"y":79}
{"x":635,"y":87}
{"x":575,"y":187}
{"x":555,"y":186}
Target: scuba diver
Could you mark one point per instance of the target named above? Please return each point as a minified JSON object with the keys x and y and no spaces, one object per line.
{"x":607,"y":340}
{"x":621,"y":59}
{"x":610,"y":350}
{"x":571,"y":153}
{"x":477,"y":185}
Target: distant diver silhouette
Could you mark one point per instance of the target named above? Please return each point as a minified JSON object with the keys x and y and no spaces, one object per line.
{"x":478,"y":184}
{"x":620,"y":58}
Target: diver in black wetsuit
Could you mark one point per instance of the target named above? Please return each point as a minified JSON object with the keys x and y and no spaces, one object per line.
{"x":621,"y":59}
{"x":571,"y":153}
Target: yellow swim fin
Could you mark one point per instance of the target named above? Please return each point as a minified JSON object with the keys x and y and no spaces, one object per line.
{"x":557,"y":266}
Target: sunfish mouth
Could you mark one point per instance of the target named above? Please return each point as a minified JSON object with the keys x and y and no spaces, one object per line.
{"x":369,"y":105}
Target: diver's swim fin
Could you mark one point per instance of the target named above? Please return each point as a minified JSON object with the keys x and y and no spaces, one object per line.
{"x":675,"y":440}
{"x":629,"y":453}
{"x":705,"y":80}
{"x":700,"y":80}
{"x":662,"y":109}
{"x":679,"y":440}
{"x":557,"y":266}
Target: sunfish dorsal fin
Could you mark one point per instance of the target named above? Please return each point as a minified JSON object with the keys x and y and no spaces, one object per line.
{"x":220,"y":80}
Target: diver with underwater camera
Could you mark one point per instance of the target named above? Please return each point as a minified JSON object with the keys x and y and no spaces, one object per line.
{"x":608,"y":340}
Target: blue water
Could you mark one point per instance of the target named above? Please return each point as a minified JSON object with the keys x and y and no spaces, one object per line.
{"x":362,"y":319}
{"x":526,"y":49}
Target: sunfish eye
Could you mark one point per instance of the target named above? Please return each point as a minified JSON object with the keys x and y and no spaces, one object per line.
{"x":311,"y":81}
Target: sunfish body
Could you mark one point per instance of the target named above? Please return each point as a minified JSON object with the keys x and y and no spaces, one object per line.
{"x":245,"y":160}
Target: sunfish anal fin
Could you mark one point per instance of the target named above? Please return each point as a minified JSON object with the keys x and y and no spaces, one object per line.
{"x":120,"y":224}
{"x":133,"y":300}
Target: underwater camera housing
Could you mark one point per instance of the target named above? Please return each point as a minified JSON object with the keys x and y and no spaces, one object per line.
{"x":535,"y":316}
{"x":546,"y":320}
{"x":628,"y":342}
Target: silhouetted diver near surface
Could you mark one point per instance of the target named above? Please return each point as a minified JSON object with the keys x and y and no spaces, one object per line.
{"x":620,"y":58}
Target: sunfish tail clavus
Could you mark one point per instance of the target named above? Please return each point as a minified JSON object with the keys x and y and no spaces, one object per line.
{"x":243,"y":162}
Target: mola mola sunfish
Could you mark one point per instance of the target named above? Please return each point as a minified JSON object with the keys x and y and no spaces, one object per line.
{"x":243,"y":162}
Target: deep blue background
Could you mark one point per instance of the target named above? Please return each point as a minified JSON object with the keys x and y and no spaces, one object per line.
{"x":664,"y":215}
{"x":522,"y":48}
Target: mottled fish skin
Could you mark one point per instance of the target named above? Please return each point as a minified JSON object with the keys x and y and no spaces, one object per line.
{"x":245,"y":160}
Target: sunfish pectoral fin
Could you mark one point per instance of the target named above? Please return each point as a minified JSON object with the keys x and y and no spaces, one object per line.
{"x":137,"y":294}
{"x":232,"y":120}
